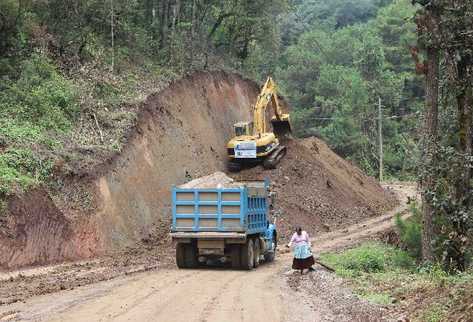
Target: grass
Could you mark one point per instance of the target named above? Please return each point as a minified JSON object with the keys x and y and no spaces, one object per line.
{"x":369,"y":258}
{"x":378,"y":298}
{"x":387,"y":276}
{"x":436,"y":313}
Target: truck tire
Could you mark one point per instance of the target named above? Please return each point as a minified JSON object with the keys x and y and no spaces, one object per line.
{"x":247,"y":256}
{"x":190,"y":256}
{"x":256,"y":252}
{"x":235,"y":254}
{"x":180,"y":255}
{"x":270,"y":255}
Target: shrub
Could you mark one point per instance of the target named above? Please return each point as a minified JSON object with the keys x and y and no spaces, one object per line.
{"x":369,"y":258}
{"x":37,"y":104}
{"x":39,"y":95}
{"x":20,"y":168}
{"x":410,"y":232}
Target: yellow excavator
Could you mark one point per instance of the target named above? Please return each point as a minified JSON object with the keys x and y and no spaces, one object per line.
{"x":253,"y":143}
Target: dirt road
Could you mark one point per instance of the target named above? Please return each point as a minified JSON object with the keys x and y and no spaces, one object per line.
{"x":270,"y":293}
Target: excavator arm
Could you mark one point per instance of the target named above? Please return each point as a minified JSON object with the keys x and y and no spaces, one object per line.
{"x":280,"y":121}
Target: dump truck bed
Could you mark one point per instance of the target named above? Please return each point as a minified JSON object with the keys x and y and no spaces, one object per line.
{"x":236,"y":208}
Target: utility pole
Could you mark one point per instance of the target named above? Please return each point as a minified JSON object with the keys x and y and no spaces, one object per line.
{"x":380,"y":133}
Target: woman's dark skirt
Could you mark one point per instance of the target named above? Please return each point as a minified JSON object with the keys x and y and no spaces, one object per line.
{"x":305,"y":263}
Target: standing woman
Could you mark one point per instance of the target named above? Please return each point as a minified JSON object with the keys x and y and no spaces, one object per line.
{"x":303,"y":258}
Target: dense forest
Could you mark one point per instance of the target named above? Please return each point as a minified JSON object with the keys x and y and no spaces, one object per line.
{"x":68,"y":70}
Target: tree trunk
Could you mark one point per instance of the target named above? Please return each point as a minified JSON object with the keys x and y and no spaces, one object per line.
{"x":190,"y":56}
{"x":430,"y":144}
{"x":163,"y":28}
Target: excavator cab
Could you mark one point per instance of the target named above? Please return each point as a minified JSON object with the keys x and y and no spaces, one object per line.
{"x":243,"y":128}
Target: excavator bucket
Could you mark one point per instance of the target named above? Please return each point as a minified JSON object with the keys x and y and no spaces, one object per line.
{"x":281,"y":127}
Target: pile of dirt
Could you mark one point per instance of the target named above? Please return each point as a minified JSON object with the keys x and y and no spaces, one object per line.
{"x":213,"y":180}
{"x":320,"y":191}
{"x":180,"y":134}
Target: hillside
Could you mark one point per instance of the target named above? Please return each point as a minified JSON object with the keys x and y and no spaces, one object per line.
{"x":179,"y":134}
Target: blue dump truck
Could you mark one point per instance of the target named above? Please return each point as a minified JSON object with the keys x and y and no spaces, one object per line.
{"x":226,"y":224}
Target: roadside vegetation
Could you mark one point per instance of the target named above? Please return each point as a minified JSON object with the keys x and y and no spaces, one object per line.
{"x":391,"y":277}
{"x":395,"y":276}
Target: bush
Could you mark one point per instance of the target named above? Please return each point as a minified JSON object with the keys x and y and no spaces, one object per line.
{"x":369,"y":258}
{"x":410,"y":232}
{"x":37,"y":104}
{"x":20,"y":168}
{"x":39,"y":95}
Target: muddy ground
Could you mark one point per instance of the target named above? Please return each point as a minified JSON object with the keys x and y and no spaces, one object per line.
{"x":59,"y":293}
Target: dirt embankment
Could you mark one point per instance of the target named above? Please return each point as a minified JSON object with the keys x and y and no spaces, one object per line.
{"x":180,"y":134}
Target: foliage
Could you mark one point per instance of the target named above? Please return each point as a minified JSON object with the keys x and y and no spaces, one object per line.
{"x":445,"y":33}
{"x":335,"y":72}
{"x":20,"y":168}
{"x":423,"y":293}
{"x":434,"y":314}
{"x":40,"y":96}
{"x":35,"y":105}
{"x":410,"y":232}
{"x":369,"y":258}
{"x":377,"y":298}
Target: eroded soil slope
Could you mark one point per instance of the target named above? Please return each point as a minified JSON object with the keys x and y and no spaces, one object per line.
{"x":179,"y":134}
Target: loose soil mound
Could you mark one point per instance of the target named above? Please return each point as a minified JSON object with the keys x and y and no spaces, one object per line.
{"x":213,"y":180}
{"x":320,"y":191}
{"x":180,"y":134}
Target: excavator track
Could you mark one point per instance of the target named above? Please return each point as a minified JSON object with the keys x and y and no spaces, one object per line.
{"x":275,"y":157}
{"x":233,"y":166}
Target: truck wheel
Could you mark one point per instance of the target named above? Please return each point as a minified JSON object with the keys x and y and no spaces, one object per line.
{"x":247,"y":256}
{"x":191,"y":256}
{"x":256,"y":252}
{"x":235,"y":256}
{"x":269,"y":256}
{"x":180,"y":255}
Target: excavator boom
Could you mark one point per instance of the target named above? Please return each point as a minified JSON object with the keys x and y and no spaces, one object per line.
{"x":280,"y":121}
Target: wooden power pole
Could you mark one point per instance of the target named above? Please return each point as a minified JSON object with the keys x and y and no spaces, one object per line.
{"x":380,"y":133}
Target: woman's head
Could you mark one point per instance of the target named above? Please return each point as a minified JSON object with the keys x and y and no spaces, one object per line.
{"x":299,"y":230}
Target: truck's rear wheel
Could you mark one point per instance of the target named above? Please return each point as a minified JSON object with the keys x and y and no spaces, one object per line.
{"x":180,"y":255}
{"x":247,"y":255}
{"x":256,"y":252}
{"x":190,"y":256}
{"x":269,"y":256}
{"x":235,"y":254}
